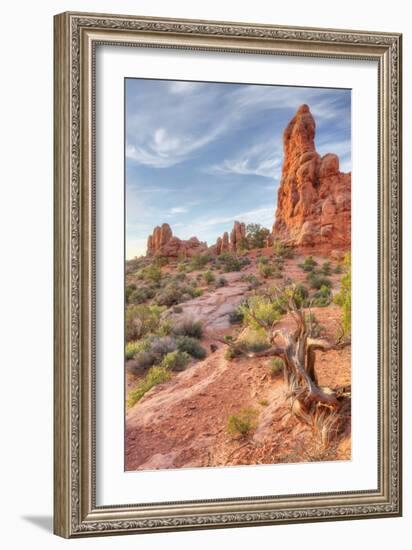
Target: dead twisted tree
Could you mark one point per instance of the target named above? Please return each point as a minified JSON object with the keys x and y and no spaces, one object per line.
{"x":319,"y":407}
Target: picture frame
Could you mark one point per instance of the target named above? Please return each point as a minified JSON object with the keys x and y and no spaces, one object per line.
{"x":76,"y":37}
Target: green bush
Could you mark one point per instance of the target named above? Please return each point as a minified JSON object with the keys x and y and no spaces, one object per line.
{"x":208,"y":277}
{"x":256,"y":235}
{"x":134,"y":347}
{"x":282,"y":250}
{"x":275,"y":366}
{"x":322,"y":297}
{"x":261,"y":308}
{"x":191,"y":346}
{"x":198,"y":261}
{"x":316,"y":280}
{"x":175,"y":361}
{"x":243,"y":422}
{"x":263,"y":260}
{"x":326,"y":268}
{"x":344,"y":296}
{"x":253,"y":341}
{"x":308,"y":264}
{"x":220,"y":282}
{"x":141,"y":295}
{"x":161,"y":345}
{"x":152,"y":273}
{"x":235,"y":316}
{"x":188,"y":327}
{"x":129,"y":290}
{"x":141,"y":320}
{"x":229,"y":263}
{"x":252,"y":280}
{"x":266,"y":270}
{"x":156,"y":375}
{"x":143,"y":360}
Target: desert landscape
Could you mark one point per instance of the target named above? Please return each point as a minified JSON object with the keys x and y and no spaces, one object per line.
{"x":238,"y":351}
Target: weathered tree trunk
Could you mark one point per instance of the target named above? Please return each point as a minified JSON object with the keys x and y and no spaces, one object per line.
{"x":314,"y":405}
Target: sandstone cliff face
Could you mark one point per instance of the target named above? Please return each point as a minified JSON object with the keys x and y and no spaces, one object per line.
{"x":162,"y":242}
{"x":314,"y":197}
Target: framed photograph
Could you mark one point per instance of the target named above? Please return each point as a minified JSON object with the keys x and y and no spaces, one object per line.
{"x":227,"y":274}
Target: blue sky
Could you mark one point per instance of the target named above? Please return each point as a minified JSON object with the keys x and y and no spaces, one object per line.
{"x":200,"y":155}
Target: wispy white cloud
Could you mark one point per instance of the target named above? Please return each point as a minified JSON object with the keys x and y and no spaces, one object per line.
{"x":184,"y":87}
{"x":178,"y":210}
{"x":262,"y":159}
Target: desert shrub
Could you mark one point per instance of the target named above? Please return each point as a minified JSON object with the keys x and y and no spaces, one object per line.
{"x":173,"y":294}
{"x":316,"y":280}
{"x":282,"y":250}
{"x":143,"y":360}
{"x":242,"y":245}
{"x":208,"y":277}
{"x":263,"y":260}
{"x":263,"y":402}
{"x":165,"y":328}
{"x":256,"y":235}
{"x":160,"y":261}
{"x":177,"y":309}
{"x":344,"y":296}
{"x":196,"y":292}
{"x":179,"y":277}
{"x":156,"y":375}
{"x":192,"y":346}
{"x":338,"y":269}
{"x":243,"y":422}
{"x":161,"y":345}
{"x":308,"y":264}
{"x":181,"y":267}
{"x":229,"y":263}
{"x":198,"y":261}
{"x":140,"y":320}
{"x":252,"y":280}
{"x":134,"y":347}
{"x":141,"y":295}
{"x":326,"y":268}
{"x":275,"y":366}
{"x":129,"y":290}
{"x":175,"y":361}
{"x":301,"y":294}
{"x":221,"y":281}
{"x":235,"y":316}
{"x":322,"y":297}
{"x":261,"y":308}
{"x":188,"y":327}
{"x":152,"y":273}
{"x":253,"y":341}
{"x":266,"y":270}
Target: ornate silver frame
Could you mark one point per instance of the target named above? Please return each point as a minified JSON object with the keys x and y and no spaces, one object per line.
{"x":75,"y":38}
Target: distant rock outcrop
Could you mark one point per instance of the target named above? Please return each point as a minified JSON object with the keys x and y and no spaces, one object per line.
{"x":230,"y":244}
{"x":162,"y":242}
{"x":314,"y":197}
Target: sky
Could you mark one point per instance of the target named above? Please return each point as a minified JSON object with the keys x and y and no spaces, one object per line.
{"x":200,"y":155}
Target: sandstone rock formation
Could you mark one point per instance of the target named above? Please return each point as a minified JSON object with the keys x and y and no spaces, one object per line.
{"x":163,"y":243}
{"x":314,"y":197}
{"x":230,"y":244}
{"x":236,"y":235}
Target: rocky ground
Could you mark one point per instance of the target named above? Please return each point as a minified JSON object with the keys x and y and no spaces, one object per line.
{"x":183,"y":422}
